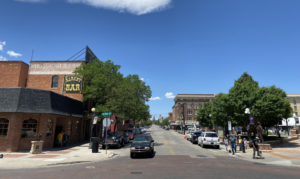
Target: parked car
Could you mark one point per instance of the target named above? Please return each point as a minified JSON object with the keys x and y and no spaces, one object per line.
{"x":188,"y":135}
{"x":194,"y":137}
{"x":126,"y":138}
{"x":130,"y":133}
{"x":209,"y":138}
{"x":135,"y":131}
{"x":167,"y":128}
{"x":142,"y":144}
{"x":114,"y":139}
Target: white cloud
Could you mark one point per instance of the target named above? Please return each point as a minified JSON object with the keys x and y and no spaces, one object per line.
{"x":31,"y":0}
{"x":137,"y":7}
{"x":13,"y":54}
{"x":155,"y":98}
{"x":169,"y":95}
{"x":1,"y":45}
{"x":2,"y":58}
{"x":142,"y":79}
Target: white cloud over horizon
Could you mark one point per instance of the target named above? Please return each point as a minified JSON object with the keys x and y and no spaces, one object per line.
{"x":169,"y":95}
{"x":142,"y":79}
{"x":137,"y":7}
{"x":13,"y":54}
{"x":2,"y":58}
{"x":155,"y":98}
{"x":1,"y":45}
{"x":31,"y":0}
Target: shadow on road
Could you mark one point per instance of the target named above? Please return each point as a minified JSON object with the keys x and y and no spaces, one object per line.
{"x":144,"y":156}
{"x":158,"y":144}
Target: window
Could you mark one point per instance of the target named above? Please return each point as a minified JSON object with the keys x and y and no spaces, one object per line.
{"x":77,"y":128}
{"x":49,"y":128}
{"x":295,"y":107}
{"x":196,"y":106}
{"x":181,"y":99}
{"x":196,"y":100}
{"x":294,"y":101}
{"x":189,"y":100}
{"x":29,"y":128}
{"x":189,"y":112}
{"x":54,"y":81}
{"x":196,"y":112}
{"x":210,"y":100}
{"x":190,"y":118}
{"x":189,"y":106}
{"x":3,"y":127}
{"x":211,"y":135}
{"x":296,"y":113}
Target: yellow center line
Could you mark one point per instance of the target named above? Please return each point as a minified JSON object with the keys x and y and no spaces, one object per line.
{"x":170,"y":148}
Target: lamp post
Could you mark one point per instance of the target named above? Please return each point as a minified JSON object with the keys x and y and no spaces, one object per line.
{"x":92,"y":127}
{"x":209,"y":121}
{"x":287,"y":125}
{"x":247,"y":112}
{"x":294,"y":115}
{"x":180,"y":122}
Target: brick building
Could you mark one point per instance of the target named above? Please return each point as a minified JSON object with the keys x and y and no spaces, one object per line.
{"x":187,"y":106}
{"x":37,"y":98}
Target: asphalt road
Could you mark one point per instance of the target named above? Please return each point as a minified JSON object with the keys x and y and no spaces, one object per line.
{"x":174,"y":158}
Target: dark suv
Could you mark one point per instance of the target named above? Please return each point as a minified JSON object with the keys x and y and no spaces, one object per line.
{"x":194,"y":137}
{"x":114,"y":139}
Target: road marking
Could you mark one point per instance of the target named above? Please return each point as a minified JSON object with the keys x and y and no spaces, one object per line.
{"x":170,"y":148}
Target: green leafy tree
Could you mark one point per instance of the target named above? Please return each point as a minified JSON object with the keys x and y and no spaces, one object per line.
{"x":203,"y":115}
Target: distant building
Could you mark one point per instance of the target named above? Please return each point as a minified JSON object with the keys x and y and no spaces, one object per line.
{"x":187,"y":106}
{"x":160,"y":118}
{"x":294,"y":100}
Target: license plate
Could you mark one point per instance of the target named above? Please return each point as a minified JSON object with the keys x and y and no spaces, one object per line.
{"x":212,"y":143}
{"x":109,"y":141}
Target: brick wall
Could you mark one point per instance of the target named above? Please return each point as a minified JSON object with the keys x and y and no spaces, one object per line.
{"x":13,"y":73}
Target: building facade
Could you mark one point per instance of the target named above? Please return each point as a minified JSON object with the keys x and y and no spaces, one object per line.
{"x":294,"y":100}
{"x":187,"y":105}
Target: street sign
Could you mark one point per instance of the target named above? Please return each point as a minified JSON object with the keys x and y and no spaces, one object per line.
{"x":106,"y":114}
{"x":229,"y":125}
{"x":95,"y":120}
{"x":251,"y":118}
{"x":106,"y":122}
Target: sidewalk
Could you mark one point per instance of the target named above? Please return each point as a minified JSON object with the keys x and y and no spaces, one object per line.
{"x":53,"y":157}
{"x":286,"y":154}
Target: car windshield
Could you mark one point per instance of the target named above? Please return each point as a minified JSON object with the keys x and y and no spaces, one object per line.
{"x":129,"y":131}
{"x":111,"y":134}
{"x":211,"y":135}
{"x":197,"y":134}
{"x":141,"y":139}
{"x":125,"y":130}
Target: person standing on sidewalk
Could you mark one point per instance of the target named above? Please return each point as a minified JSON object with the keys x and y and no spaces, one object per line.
{"x":255,"y":146}
{"x":245,"y":145}
{"x":65,"y":139}
{"x":60,"y":138}
{"x":226,"y":143}
{"x":232,"y":140}
{"x":240,"y":143}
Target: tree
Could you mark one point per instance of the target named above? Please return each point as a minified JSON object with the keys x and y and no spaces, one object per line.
{"x":203,"y":115}
{"x":165,"y":122}
{"x":157,"y":122}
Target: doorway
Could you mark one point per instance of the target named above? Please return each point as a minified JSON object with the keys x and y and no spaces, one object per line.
{"x":58,"y":129}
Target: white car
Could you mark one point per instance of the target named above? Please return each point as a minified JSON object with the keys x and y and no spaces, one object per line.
{"x":189,"y":135}
{"x":209,"y":138}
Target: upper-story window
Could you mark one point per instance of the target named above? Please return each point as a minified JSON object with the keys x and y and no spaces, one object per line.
{"x":189,"y":106}
{"x":189,"y":112}
{"x":295,"y":107}
{"x":54,"y":81}
{"x":189,"y":100}
{"x":294,"y":101}
{"x":196,"y":100}
{"x":210,"y":100}
{"x":3,"y":127}
{"x":196,"y":106}
{"x":196,"y":112}
{"x":190,"y":118}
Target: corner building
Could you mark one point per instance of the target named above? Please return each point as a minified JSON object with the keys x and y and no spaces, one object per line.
{"x":33,"y":100}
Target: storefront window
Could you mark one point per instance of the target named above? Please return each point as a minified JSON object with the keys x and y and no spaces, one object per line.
{"x":49,"y":128}
{"x":29,"y":128}
{"x":69,"y":129}
{"x":3,"y":127}
{"x":77,"y":128}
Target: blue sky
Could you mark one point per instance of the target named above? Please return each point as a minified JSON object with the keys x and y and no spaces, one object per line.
{"x":176,"y":46}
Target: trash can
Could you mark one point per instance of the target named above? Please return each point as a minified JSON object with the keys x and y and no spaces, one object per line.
{"x":95,"y":147}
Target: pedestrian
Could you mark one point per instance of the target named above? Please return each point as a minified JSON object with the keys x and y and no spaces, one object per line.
{"x":255,"y":146}
{"x":226,"y":143}
{"x":65,"y":139}
{"x":245,"y":145}
{"x":232,"y":140}
{"x":60,"y":138}
{"x":240,"y":141}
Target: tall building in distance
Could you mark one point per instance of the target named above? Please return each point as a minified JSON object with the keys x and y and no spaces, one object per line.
{"x":187,"y":106}
{"x":160,"y":118}
{"x":153,"y":119}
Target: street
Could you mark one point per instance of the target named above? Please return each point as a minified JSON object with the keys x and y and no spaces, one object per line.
{"x":174,"y":157}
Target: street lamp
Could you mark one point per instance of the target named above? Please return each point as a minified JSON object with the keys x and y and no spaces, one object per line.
{"x":247,"y":112}
{"x":294,"y":115}
{"x":287,"y":125}
{"x":92,"y":127}
{"x":209,"y":121}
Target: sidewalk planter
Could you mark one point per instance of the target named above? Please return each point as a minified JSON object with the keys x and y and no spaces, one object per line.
{"x":36,"y":147}
{"x":265,"y":147}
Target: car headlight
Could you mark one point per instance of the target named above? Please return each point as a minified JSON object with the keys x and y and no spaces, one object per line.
{"x":147,"y":148}
{"x":132,"y":148}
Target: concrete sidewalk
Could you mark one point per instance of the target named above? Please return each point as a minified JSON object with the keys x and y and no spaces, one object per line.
{"x":285,"y":155}
{"x":53,"y":157}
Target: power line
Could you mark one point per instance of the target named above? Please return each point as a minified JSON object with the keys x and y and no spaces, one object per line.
{"x":79,"y":56}
{"x":76,"y":54}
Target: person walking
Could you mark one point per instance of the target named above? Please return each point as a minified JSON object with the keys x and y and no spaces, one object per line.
{"x":60,"y":138}
{"x":255,"y":146}
{"x":232,"y":140}
{"x":245,"y":145}
{"x":240,"y":141}
{"x":65,"y":139}
{"x":226,"y":143}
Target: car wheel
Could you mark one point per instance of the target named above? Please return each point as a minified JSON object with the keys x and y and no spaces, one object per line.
{"x":202,"y":145}
{"x":119,"y":145}
{"x":123,"y":143}
{"x":131,"y":155}
{"x":218,"y":147}
{"x":103,"y":147}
